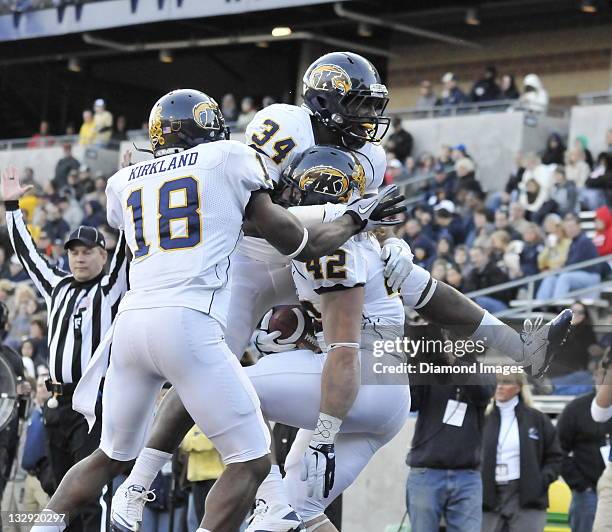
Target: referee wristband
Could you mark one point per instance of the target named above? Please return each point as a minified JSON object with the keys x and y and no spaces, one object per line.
{"x":301,"y":246}
{"x":11,"y":205}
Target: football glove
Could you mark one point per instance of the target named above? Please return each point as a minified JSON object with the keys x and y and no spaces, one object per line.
{"x":319,"y":468}
{"x":397,"y":256}
{"x":373,"y":210}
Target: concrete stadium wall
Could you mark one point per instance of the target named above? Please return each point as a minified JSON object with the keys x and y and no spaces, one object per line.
{"x":592,"y":121}
{"x":492,"y":139}
{"x":569,"y":61}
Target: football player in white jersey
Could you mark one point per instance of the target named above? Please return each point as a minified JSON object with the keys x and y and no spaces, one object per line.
{"x":348,"y":298}
{"x":183,"y":214}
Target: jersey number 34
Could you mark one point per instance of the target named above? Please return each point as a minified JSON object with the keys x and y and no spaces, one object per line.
{"x":179,"y":225}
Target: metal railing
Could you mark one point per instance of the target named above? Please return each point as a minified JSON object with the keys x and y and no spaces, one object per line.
{"x":531,"y":280}
{"x":474,"y":108}
{"x":594,"y":98}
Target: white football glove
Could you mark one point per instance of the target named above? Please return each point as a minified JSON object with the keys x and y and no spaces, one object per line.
{"x":397,"y":256}
{"x":372,"y":210}
{"x":267,"y":342}
{"x":319,"y":469}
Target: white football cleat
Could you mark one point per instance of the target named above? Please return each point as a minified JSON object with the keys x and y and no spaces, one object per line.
{"x":274,"y":518}
{"x":541,"y":342}
{"x":127,"y":506}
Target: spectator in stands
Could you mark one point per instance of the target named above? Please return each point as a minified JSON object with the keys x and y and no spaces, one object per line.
{"x":534,"y":169}
{"x":229,"y":108}
{"x":484,"y":274}
{"x":534,"y":97}
{"x":451,"y":94}
{"x":508,"y":90}
{"x":555,"y":150}
{"x":438,"y":269}
{"x":459,"y":152}
{"x":563,"y":195}
{"x":441,"y":483}
{"x":426,"y":164}
{"x":400,"y":141}
{"x":71,"y":210}
{"x":581,"y":440}
{"x":247,"y":112}
{"x":532,"y":196}
{"x":480,"y":225}
{"x":521,"y":457}
{"x":517,"y":216}
{"x":56,"y":227}
{"x":87,"y":132}
{"x":556,"y":244}
{"x":598,"y":186}
{"x":466,"y":176}
{"x":574,"y":355}
{"x":120,"y":132}
{"x":454,"y":277}
{"x":486,"y":89}
{"x":603,"y":231}
{"x":441,"y":187}
{"x":581,"y":142}
{"x":63,"y":167}
{"x":581,"y":249}
{"x":103,"y":123}
{"x":27,"y":357}
{"x":42,"y":139}
{"x":461,"y":258}
{"x":427,"y":97}
{"x":415,"y":238}
{"x":394,"y":172}
{"x":511,"y":189}
{"x":444,"y":248}
{"x":424,"y":214}
{"x":502,"y":223}
{"x":38,"y":336}
{"x":444,"y":158}
{"x":532,"y":248}
{"x":447,"y":223}
{"x":576,"y":168}
{"x":410,"y":168}
{"x":86,"y":183}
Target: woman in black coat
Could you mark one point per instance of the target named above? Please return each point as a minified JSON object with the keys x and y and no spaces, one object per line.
{"x":521,"y":457}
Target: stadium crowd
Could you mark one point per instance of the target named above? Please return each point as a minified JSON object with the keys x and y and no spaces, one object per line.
{"x":465,"y":236}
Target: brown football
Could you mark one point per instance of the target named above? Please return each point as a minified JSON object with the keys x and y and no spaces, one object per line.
{"x":295,"y":326}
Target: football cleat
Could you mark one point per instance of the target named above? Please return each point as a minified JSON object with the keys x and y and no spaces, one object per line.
{"x":274,"y":518}
{"x":541,"y":342}
{"x":127,"y":506}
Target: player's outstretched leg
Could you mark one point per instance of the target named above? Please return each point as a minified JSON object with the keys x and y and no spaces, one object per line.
{"x":536,"y":346}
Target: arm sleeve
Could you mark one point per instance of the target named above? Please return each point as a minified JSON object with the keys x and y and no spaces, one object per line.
{"x":115,"y":283}
{"x":600,"y":414}
{"x":44,"y":277}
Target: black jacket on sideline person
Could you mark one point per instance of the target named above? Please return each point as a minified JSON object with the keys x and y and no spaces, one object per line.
{"x":430,"y":443}
{"x":540,"y":457}
{"x":581,"y":439}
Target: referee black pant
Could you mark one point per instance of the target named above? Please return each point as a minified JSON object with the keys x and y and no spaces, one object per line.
{"x":69,"y":443}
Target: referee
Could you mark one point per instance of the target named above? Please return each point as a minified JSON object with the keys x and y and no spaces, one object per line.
{"x":80,"y":308}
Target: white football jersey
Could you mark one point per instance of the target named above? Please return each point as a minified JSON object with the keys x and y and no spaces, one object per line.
{"x":356,"y":263}
{"x":182,"y":215}
{"x":282,"y":132}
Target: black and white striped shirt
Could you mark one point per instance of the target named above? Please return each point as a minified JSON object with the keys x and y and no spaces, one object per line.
{"x":78,"y":314}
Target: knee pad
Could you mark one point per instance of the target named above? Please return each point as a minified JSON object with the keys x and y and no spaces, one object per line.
{"x":418,"y":288}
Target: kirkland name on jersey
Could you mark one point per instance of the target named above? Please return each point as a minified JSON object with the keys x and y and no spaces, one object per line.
{"x":182,"y":215}
{"x":282,"y":132}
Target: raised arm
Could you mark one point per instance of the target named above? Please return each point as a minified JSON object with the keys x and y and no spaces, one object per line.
{"x":289,"y":237}
{"x":44,"y":277}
